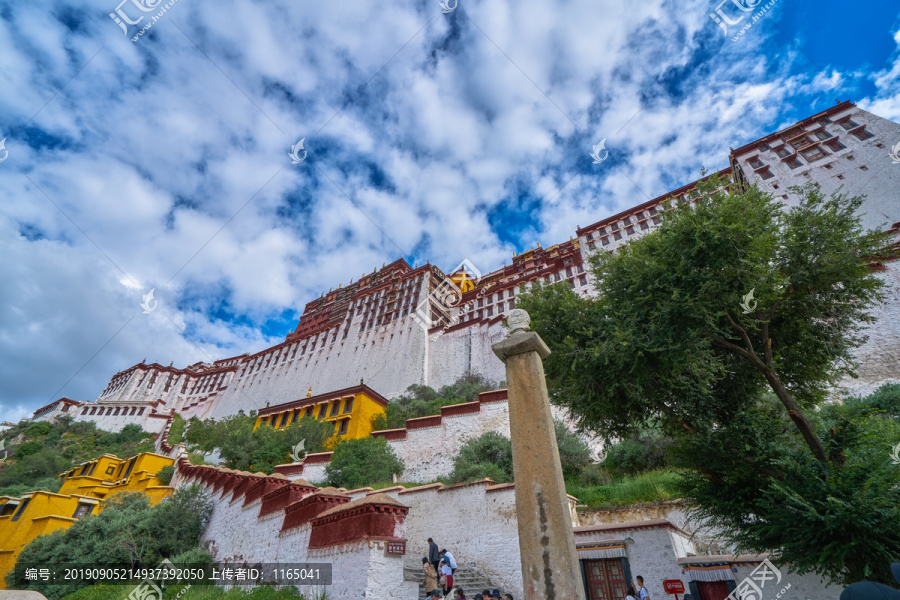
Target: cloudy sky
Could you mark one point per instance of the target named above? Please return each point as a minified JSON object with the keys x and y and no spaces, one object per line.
{"x":161,"y":160}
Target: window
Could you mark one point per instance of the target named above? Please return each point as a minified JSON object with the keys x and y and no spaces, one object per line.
{"x":511,"y":304}
{"x":822,"y":134}
{"x":84,"y":411}
{"x":848,"y":124}
{"x":801,"y":142}
{"x":835,"y":145}
{"x":755,"y":162}
{"x":766,"y":173}
{"x":814,"y":154}
{"x":629,"y":230}
{"x":141,"y":411}
{"x":794,"y":163}
{"x":862,"y":134}
{"x":614,"y":226}
{"x":582,"y":279}
{"x":762,"y":146}
{"x":110,"y":470}
{"x":657,"y":220}
{"x":343,"y":427}
{"x":309,"y":411}
{"x":644,"y":225}
{"x":605,"y":241}
{"x":21,"y":509}
{"x":335,"y":406}
{"x":348,"y":405}
{"x":591,"y":246}
{"x":500,"y":295}
{"x":616,"y":235}
{"x":783,"y":152}
{"x":284,"y":419}
{"x":130,"y":466}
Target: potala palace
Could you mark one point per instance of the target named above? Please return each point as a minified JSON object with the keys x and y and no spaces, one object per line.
{"x":364,"y":343}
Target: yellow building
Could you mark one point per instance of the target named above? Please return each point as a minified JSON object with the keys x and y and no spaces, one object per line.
{"x":82,"y":493}
{"x":350,"y":409}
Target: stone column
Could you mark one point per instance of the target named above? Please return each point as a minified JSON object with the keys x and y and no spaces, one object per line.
{"x":550,"y":568}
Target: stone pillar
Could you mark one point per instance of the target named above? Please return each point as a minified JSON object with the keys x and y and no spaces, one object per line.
{"x":550,"y":568}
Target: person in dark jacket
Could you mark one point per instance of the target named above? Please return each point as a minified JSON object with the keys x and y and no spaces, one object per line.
{"x":434,"y":556}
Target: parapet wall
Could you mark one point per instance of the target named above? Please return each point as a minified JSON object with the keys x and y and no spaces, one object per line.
{"x":268,"y":519}
{"x":427,"y":445}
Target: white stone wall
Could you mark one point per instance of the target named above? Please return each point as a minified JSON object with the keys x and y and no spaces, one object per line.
{"x":115,"y":423}
{"x":879,"y":357}
{"x":863,"y":167}
{"x":478,"y":526}
{"x":428,"y":453}
{"x":236,"y":534}
{"x":389,"y":359}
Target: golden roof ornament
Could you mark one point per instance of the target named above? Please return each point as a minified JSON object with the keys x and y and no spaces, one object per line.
{"x":309,"y":392}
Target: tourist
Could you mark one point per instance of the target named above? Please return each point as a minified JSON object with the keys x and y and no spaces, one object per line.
{"x":479,"y":597}
{"x":446,"y":576}
{"x":434,"y":555}
{"x":435,"y":593}
{"x":431,"y":582}
{"x":486,"y":594}
{"x":460,"y":593}
{"x":507,"y":597}
{"x":496,"y":594}
{"x":631,"y":593}
{"x":450,"y":560}
{"x":644,"y":594}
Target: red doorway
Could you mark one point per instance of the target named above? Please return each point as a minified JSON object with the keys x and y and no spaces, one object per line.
{"x":713,"y":590}
{"x":605,"y":578}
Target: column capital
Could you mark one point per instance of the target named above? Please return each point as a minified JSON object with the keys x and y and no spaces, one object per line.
{"x":519,"y":343}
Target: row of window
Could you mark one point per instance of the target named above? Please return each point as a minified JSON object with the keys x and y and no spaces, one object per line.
{"x":135,"y":410}
{"x":628,"y":225}
{"x":328,"y":409}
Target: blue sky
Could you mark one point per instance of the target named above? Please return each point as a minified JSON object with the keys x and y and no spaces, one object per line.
{"x":163,"y":163}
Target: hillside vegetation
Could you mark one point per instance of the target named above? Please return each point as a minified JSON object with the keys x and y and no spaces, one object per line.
{"x":38,"y":452}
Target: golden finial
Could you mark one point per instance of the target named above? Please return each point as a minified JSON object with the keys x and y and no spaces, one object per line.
{"x":309,"y":392}
{"x":539,"y":244}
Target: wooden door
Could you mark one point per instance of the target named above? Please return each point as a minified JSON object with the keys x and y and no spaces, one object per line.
{"x":713,"y":590}
{"x":606,"y":579}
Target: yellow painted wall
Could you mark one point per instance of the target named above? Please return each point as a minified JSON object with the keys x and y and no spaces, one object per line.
{"x":86,"y":485}
{"x":360,"y":415}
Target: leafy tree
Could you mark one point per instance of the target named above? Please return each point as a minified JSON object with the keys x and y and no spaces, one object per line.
{"x":260,"y":449}
{"x":673,"y":335}
{"x":127,"y":531}
{"x":574,"y":453}
{"x":357,"y":463}
{"x":165,"y":474}
{"x":488,"y":455}
{"x":176,"y":430}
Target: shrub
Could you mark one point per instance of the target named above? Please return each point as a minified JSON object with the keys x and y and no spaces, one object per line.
{"x":176,"y":430}
{"x":27,"y":449}
{"x":356,"y":463}
{"x":488,"y":455}
{"x":423,"y":401}
{"x":574,"y":453}
{"x":165,"y":474}
{"x":38,"y":429}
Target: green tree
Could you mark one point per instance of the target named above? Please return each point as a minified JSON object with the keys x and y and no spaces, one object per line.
{"x":127,"y":531}
{"x":357,"y":463}
{"x":488,"y":455}
{"x":675,"y":335}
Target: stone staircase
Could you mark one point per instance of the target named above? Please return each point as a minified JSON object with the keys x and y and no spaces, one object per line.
{"x":471,"y":581}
